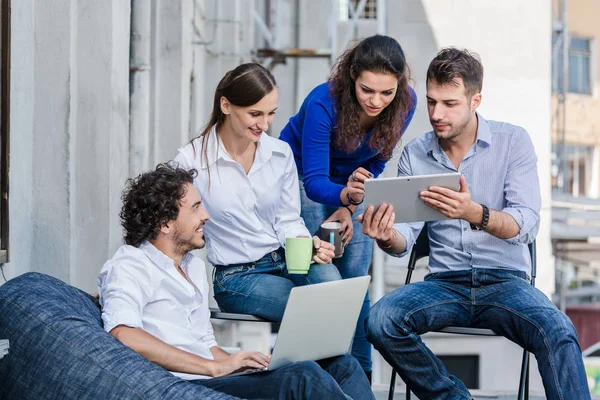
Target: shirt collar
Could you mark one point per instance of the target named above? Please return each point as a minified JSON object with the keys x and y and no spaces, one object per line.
{"x":160,"y":259}
{"x":484,"y":136}
{"x":216,"y":150}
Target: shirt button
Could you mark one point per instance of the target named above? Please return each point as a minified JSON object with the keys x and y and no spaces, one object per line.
{"x":465,"y":229}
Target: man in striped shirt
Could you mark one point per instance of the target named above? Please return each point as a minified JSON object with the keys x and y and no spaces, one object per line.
{"x":479,"y":264}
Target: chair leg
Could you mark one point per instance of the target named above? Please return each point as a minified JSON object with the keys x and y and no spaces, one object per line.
{"x":527,"y":379}
{"x":524,"y":380}
{"x":392,"y":385}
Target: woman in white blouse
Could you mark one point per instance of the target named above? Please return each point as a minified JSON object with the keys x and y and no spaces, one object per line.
{"x":249,"y":185}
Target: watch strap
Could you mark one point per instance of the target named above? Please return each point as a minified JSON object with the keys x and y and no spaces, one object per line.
{"x":484,"y":220}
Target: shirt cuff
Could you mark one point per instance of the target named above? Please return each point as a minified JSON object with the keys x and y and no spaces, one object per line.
{"x":295,"y":231}
{"x":128,"y":318}
{"x":209,"y":341}
{"x":405,"y":231}
{"x":518,"y":217}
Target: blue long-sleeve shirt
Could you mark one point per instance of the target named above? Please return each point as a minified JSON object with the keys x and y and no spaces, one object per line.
{"x":323,"y":167}
{"x":501,"y":172}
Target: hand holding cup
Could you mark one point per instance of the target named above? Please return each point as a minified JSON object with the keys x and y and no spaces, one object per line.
{"x":323,"y":251}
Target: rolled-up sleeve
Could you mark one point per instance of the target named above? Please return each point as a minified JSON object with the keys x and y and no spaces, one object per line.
{"x":124,"y":288}
{"x":288,"y":222}
{"x":522,"y":188}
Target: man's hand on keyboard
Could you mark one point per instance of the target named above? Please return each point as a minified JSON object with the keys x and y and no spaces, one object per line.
{"x":240,"y":361}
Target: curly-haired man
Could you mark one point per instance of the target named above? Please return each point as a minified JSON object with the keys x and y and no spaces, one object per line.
{"x":154,"y":297}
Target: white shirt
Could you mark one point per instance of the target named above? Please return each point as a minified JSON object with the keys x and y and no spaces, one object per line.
{"x":250,"y":215}
{"x":141,"y":288}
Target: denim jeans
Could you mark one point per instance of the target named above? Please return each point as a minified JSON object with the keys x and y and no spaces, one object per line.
{"x":501,"y":300}
{"x":263,"y":287}
{"x":355,"y":262}
{"x":59,"y":350}
{"x":332,"y":378}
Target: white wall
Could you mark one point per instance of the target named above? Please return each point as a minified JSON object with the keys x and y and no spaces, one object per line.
{"x":69,"y":117}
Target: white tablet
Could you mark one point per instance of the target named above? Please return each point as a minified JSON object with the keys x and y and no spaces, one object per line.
{"x":403,"y":193}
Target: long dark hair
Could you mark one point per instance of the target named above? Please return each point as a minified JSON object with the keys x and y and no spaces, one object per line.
{"x":151,"y":200}
{"x":377,"y":54}
{"x":243,"y":86}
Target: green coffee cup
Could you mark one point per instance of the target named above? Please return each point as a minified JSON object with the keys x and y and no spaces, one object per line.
{"x":298,"y":254}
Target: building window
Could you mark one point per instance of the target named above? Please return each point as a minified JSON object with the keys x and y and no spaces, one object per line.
{"x":349,"y":7}
{"x":580,"y":67}
{"x":4,"y":124}
{"x":579,"y":163}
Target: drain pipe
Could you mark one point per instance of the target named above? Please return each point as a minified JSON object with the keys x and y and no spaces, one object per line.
{"x":139,"y":87}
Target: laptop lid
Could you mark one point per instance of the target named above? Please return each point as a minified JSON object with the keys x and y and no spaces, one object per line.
{"x":319,"y":321}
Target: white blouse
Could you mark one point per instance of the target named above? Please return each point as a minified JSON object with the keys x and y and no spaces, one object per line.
{"x":250,"y":215}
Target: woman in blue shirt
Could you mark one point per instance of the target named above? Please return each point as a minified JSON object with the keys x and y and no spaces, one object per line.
{"x":346,"y":131}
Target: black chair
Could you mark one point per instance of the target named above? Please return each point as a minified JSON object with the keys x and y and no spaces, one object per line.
{"x":420,"y":250}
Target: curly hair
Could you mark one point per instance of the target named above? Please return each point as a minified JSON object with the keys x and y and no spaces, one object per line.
{"x":377,"y":54}
{"x":151,"y":200}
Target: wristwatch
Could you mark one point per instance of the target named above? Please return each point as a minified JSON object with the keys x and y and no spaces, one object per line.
{"x":484,"y":220}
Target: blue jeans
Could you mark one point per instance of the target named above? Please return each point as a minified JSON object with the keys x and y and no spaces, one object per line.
{"x":355,"y":262}
{"x":263,"y":287}
{"x":500,"y":300}
{"x":59,"y":350}
{"x":332,"y":378}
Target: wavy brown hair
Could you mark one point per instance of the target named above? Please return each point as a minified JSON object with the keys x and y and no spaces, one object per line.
{"x":377,"y":54}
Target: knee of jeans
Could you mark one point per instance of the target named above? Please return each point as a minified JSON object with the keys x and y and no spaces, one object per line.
{"x":326,"y":273}
{"x":348,"y":361}
{"x":380,"y":324}
{"x":309,"y":369}
{"x":561,"y":330}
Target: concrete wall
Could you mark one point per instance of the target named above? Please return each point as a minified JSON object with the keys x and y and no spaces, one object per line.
{"x":69,"y":118}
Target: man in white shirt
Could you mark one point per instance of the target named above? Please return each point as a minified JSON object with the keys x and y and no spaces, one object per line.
{"x":154,"y":292}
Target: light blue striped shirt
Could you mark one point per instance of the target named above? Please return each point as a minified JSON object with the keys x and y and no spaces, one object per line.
{"x":501,"y":172}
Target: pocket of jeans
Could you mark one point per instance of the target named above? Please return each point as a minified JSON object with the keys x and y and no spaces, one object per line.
{"x":224,"y":275}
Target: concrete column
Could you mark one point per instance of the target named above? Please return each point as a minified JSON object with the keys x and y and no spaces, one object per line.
{"x":99,"y":134}
{"x":70,"y":113}
{"x":171,"y":77}
{"x":21,"y":120}
{"x":594,"y":181}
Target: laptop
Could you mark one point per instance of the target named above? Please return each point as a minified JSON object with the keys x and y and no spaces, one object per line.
{"x":319,"y":322}
{"x":403,"y":193}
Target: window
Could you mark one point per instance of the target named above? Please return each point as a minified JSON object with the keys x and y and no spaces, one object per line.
{"x":4,"y":124}
{"x":580,"y":67}
{"x":349,"y":7}
{"x":578,"y":163}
